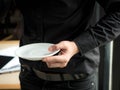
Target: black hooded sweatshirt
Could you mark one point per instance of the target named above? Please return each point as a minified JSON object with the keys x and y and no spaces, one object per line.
{"x":53,"y":21}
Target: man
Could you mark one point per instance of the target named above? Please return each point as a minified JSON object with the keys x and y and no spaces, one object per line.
{"x":66,"y":24}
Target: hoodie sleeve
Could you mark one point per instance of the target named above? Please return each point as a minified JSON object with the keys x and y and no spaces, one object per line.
{"x":104,"y":31}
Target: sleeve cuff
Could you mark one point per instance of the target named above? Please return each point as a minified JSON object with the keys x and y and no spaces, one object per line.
{"x":85,"y":42}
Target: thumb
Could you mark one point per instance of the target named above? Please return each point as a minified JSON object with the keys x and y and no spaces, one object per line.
{"x":53,"y":48}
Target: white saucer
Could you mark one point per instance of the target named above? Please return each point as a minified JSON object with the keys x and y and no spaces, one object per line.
{"x":35,"y":51}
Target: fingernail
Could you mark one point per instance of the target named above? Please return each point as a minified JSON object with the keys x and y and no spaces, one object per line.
{"x":44,"y":59}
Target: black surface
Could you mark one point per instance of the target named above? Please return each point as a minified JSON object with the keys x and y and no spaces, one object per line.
{"x":4,"y":60}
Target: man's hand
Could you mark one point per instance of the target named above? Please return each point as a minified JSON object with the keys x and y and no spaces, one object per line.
{"x":67,"y":50}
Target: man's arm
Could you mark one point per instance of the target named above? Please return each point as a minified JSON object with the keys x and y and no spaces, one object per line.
{"x":105,"y":30}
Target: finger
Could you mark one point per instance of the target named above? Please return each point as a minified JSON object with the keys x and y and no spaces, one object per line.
{"x":56,"y":65}
{"x":54,"y":59}
{"x":58,"y":46}
{"x":52,"y":48}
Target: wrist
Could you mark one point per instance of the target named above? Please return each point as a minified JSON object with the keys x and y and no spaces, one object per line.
{"x":75,"y":48}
